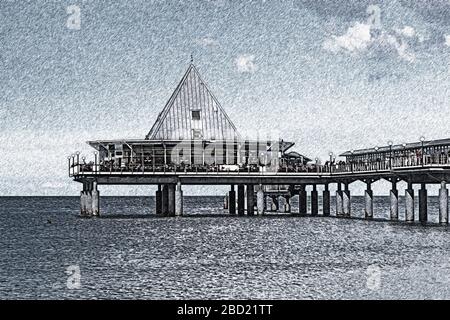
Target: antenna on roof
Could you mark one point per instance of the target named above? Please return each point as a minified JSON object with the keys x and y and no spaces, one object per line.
{"x":192,"y":58}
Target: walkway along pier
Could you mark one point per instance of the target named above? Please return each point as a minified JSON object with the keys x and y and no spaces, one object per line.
{"x":194,"y":142}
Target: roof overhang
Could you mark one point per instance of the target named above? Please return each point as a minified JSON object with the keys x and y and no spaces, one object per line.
{"x":397,"y":147}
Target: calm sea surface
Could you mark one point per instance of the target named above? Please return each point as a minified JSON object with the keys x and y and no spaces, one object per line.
{"x":131,"y":253}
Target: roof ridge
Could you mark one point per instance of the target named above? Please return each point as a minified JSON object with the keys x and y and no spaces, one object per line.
{"x":192,"y":91}
{"x":157,"y":124}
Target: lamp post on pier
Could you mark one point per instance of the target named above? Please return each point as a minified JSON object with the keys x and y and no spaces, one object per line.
{"x":351,"y":161}
{"x":77,"y":154}
{"x":83,"y":158}
{"x":95,"y":161}
{"x":331,"y":160}
{"x":376,"y":159}
{"x":422,"y":140}
{"x":390,"y":143}
{"x":404,"y":153}
{"x":73,"y":163}
{"x":68,"y":159}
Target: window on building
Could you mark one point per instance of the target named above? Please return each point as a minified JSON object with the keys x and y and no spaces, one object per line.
{"x":195,"y":114}
{"x":197,"y":134}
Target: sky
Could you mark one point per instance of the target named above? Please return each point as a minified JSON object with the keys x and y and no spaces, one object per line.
{"x":328,"y":75}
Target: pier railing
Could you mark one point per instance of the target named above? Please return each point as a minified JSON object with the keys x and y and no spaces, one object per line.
{"x":77,"y":167}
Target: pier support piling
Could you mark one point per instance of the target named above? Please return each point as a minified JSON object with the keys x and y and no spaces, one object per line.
{"x":241,"y":200}
{"x":232,"y":200}
{"x":443,"y":203}
{"x":339,"y":203}
{"x":346,"y":201}
{"x":274,"y":204}
{"x":394,"y":201}
{"x":326,"y":201}
{"x":95,"y":199}
{"x":281,"y":201}
{"x":314,"y":201}
{"x":250,"y":200}
{"x":88,"y":195}
{"x":409,"y":203}
{"x":260,"y":200}
{"x":423,"y":205}
{"x":178,"y":200}
{"x":287,"y":204}
{"x":171,"y":200}
{"x":158,"y":201}
{"x":302,"y":201}
{"x":165,"y":200}
{"x":83,"y":197}
{"x":368,"y":196}
{"x":225,"y":202}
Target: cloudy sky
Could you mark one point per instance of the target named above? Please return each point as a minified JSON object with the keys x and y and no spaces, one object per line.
{"x":329,"y":75}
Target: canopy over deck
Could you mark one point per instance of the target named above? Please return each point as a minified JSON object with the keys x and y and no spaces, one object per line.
{"x":398,"y":147}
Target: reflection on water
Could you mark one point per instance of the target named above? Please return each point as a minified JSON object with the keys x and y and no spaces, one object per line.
{"x":207,"y":256}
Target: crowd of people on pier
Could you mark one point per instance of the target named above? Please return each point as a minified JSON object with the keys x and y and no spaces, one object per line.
{"x":111,"y":166}
{"x":413,"y":158}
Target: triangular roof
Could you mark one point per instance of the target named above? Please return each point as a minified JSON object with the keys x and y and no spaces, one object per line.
{"x":192,"y":112}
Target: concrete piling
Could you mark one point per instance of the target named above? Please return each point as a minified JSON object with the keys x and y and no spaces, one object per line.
{"x":178,"y":200}
{"x":83,"y":203}
{"x":339,"y":202}
{"x":88,"y":195}
{"x":165,"y":200}
{"x":274,"y":204}
{"x":88,"y":198}
{"x":287,"y":204}
{"x":250,"y":200}
{"x":158,"y":200}
{"x":241,"y":200}
{"x":326,"y":201}
{"x":394,"y":201}
{"x":232,"y":200}
{"x":260,"y":201}
{"x":171,"y":200}
{"x":346,"y":201}
{"x":314,"y":201}
{"x":443,"y":203}
{"x":95,"y":194}
{"x":368,"y":201}
{"x":423,"y":205}
{"x":225,"y":202}
{"x":302,"y":200}
{"x":409,"y":203}
{"x":281,"y":201}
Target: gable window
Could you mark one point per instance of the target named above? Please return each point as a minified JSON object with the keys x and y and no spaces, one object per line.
{"x":196,"y":134}
{"x":195,"y":114}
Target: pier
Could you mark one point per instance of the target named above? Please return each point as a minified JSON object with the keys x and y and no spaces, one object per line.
{"x":194,"y":142}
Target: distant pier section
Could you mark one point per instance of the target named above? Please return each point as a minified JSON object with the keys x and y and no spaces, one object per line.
{"x":194,"y":142}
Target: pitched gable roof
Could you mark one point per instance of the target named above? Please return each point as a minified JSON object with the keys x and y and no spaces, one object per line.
{"x":192,"y":112}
